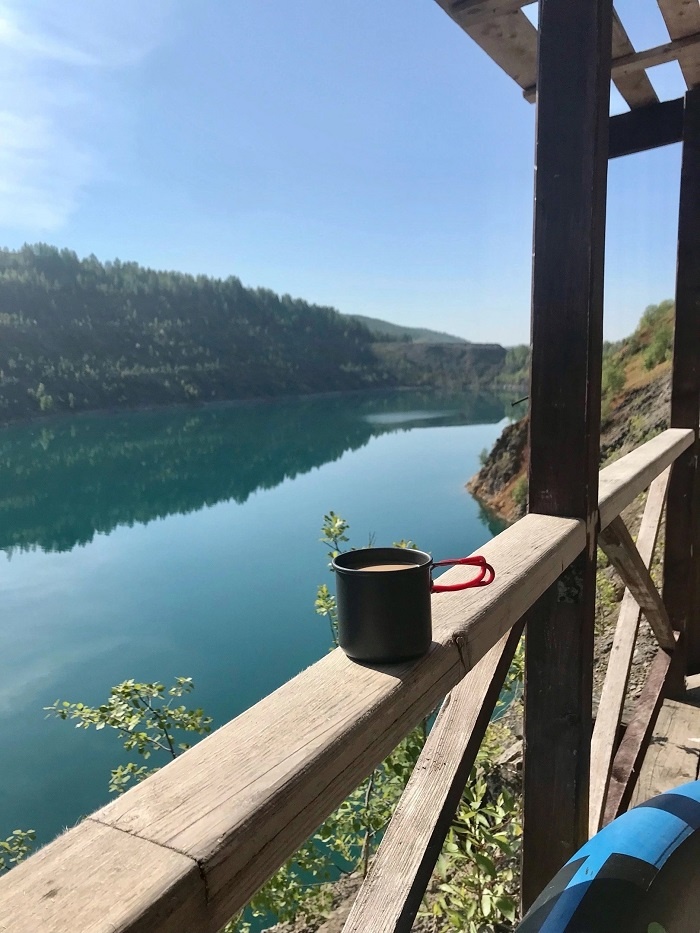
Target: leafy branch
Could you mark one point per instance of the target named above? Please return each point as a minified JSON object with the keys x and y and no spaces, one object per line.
{"x":147,"y":719}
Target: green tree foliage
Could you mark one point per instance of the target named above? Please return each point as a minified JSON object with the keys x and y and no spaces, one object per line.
{"x":148,"y":720}
{"x":613,"y":381}
{"x":614,"y":377}
{"x":516,"y":368}
{"x":15,"y":848}
{"x":655,"y":332}
{"x":653,"y":338}
{"x":80,"y":334}
{"x":660,"y":348}
{"x":519,"y":491}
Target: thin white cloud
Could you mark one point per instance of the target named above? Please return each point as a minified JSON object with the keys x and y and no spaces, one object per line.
{"x":60,"y":98}
{"x":14,"y":38}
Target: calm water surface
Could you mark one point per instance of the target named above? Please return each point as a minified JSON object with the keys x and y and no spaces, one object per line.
{"x":159,"y":544}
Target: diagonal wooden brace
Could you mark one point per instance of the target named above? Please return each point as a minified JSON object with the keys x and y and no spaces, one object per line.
{"x":617,"y":543}
{"x":612,"y":698}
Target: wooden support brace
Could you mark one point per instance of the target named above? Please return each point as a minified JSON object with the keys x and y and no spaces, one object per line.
{"x":629,"y":756}
{"x":681,"y":587}
{"x":646,"y":128}
{"x":392,"y":892}
{"x":612,"y":698}
{"x":573,"y":80}
{"x":622,"y":552}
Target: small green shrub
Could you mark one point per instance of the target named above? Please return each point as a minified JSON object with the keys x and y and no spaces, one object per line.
{"x":519,"y":491}
{"x":614,"y":377}
{"x":659,"y":350}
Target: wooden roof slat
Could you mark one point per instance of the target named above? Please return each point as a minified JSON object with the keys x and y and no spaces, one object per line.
{"x":636,"y":89}
{"x":509,"y":39}
{"x":682,"y":18}
{"x":631,"y":65}
{"x":507,"y":36}
{"x":659,"y":55}
{"x":478,"y":11}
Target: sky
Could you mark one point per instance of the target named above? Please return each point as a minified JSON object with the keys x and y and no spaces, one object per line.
{"x":360,"y":154}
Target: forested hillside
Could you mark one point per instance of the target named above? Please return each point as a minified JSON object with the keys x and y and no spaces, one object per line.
{"x":79,"y":334}
{"x":385,"y":329}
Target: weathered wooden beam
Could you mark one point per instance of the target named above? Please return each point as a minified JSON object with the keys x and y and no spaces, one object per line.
{"x":614,"y":692}
{"x":631,"y":64}
{"x":95,"y":879}
{"x":630,"y":754}
{"x":636,"y":89}
{"x":658,"y":55}
{"x":622,"y":481}
{"x":681,"y":588}
{"x":682,"y":18}
{"x":391,"y":894}
{"x":510,"y":40}
{"x":622,"y":553}
{"x":646,"y":128}
{"x":238,"y":804}
{"x":672,"y":756}
{"x":480,"y":11}
{"x":567,"y":333}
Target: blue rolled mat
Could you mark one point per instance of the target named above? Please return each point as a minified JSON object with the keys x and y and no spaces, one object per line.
{"x":640,"y":874}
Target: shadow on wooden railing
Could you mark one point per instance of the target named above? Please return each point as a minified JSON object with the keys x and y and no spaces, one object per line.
{"x":182,"y":852}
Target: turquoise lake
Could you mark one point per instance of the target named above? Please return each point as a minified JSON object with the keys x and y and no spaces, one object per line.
{"x":185,"y":542}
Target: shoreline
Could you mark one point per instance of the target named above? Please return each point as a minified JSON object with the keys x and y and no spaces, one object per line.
{"x":198,"y":405}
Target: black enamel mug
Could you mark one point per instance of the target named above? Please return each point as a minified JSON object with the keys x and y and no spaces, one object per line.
{"x":383,"y":601}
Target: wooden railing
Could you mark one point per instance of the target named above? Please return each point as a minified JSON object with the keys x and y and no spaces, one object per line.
{"x":182,"y":852}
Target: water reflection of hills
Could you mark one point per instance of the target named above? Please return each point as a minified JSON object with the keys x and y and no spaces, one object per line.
{"x":64,"y":481}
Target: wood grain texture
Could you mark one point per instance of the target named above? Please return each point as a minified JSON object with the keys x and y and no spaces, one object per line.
{"x":510,"y":39}
{"x":614,"y":692}
{"x":391,"y":894}
{"x":646,"y":128}
{"x":94,"y":879}
{"x":628,"y":69}
{"x":681,"y":588}
{"x":476,"y":12}
{"x":622,"y":481}
{"x":630,"y":754}
{"x":573,"y":83}
{"x":635,"y":88}
{"x":240,"y":802}
{"x":630,"y":65}
{"x":622,"y":553}
{"x":682,"y":18}
{"x":673,"y":755}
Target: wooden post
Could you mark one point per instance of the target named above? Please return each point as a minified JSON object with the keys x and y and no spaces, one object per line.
{"x":681,"y":586}
{"x":567,"y":337}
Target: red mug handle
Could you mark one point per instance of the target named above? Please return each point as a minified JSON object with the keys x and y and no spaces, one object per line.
{"x":485,"y":576}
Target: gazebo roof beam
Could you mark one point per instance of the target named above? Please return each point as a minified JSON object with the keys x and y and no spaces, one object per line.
{"x":472,"y":12}
{"x":627,"y":65}
{"x":682,"y":18}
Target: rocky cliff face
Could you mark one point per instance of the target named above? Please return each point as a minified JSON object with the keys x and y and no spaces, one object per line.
{"x":638,"y":414}
{"x":499,"y":483}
